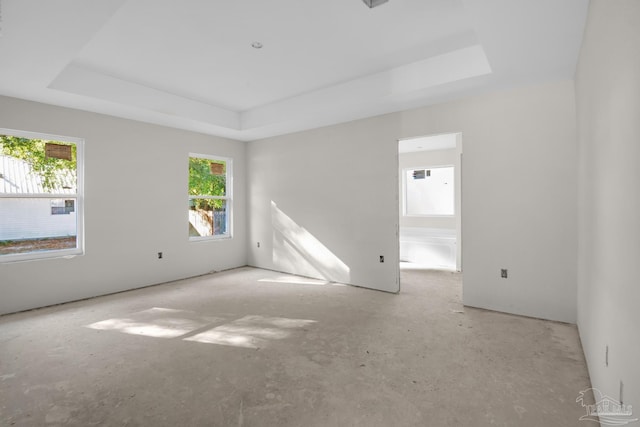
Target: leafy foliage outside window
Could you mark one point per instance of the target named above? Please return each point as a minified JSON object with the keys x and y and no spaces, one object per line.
{"x":202,"y":182}
{"x":52,"y":171}
{"x":209,"y":196}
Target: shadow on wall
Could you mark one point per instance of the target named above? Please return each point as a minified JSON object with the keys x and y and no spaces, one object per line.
{"x":297,"y":251}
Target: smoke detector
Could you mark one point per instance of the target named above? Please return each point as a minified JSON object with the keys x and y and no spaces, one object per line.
{"x":374,"y":3}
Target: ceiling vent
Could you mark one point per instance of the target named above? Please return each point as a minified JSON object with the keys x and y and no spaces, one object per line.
{"x":374,"y":3}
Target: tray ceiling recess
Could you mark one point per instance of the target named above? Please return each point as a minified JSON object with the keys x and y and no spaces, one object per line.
{"x":251,"y":69}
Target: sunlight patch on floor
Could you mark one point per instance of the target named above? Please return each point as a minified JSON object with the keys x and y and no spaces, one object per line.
{"x":248,"y":332}
{"x":299,"y":281}
{"x":157,"y":322}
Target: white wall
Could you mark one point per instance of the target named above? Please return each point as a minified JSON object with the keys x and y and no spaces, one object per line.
{"x":519,"y":196}
{"x":338,"y":188}
{"x":136,"y":205}
{"x":608,"y":106}
{"x":331,"y":191}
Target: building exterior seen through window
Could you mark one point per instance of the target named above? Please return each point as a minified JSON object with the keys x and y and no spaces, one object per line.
{"x":40,"y":196}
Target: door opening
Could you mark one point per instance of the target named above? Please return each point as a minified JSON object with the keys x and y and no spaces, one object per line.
{"x":430,"y":202}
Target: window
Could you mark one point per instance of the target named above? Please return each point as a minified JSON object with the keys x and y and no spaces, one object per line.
{"x":41,"y":196}
{"x":429,"y":191}
{"x":62,"y":207}
{"x":210,"y":197}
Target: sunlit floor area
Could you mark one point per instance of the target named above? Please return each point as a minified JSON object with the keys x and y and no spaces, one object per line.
{"x":250,"y":347}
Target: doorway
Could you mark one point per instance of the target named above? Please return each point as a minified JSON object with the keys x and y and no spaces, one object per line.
{"x":430,"y":201}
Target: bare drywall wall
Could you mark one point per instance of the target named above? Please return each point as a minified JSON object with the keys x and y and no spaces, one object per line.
{"x":608,"y":107}
{"x":135,"y":206}
{"x":519,"y":196}
{"x":324,"y":203}
{"x":519,"y":192}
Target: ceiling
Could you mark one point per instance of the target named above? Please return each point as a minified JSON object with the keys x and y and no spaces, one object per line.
{"x":190,"y":64}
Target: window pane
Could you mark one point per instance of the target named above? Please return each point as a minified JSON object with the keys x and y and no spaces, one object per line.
{"x":207,"y":177}
{"x":208,"y":217}
{"x":30,"y":225}
{"x":37,"y":166}
{"x":430,"y":191}
{"x":62,"y":206}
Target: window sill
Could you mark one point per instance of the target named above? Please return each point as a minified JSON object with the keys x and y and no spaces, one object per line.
{"x":210,"y":238}
{"x":39,"y":256}
{"x":429,"y":216}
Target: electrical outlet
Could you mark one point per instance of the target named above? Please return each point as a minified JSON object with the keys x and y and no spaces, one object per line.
{"x":381,"y":258}
{"x":159,"y":255}
{"x":258,"y":244}
{"x":503,"y":273}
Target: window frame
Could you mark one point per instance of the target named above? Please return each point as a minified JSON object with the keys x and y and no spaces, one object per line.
{"x":228,"y":197}
{"x":78,"y":196}
{"x":405,"y":212}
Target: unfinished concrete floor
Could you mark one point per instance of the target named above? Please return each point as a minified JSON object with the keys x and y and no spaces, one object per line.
{"x":250,"y":347}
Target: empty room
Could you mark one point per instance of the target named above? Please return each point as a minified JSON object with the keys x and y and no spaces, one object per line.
{"x":319,"y":213}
